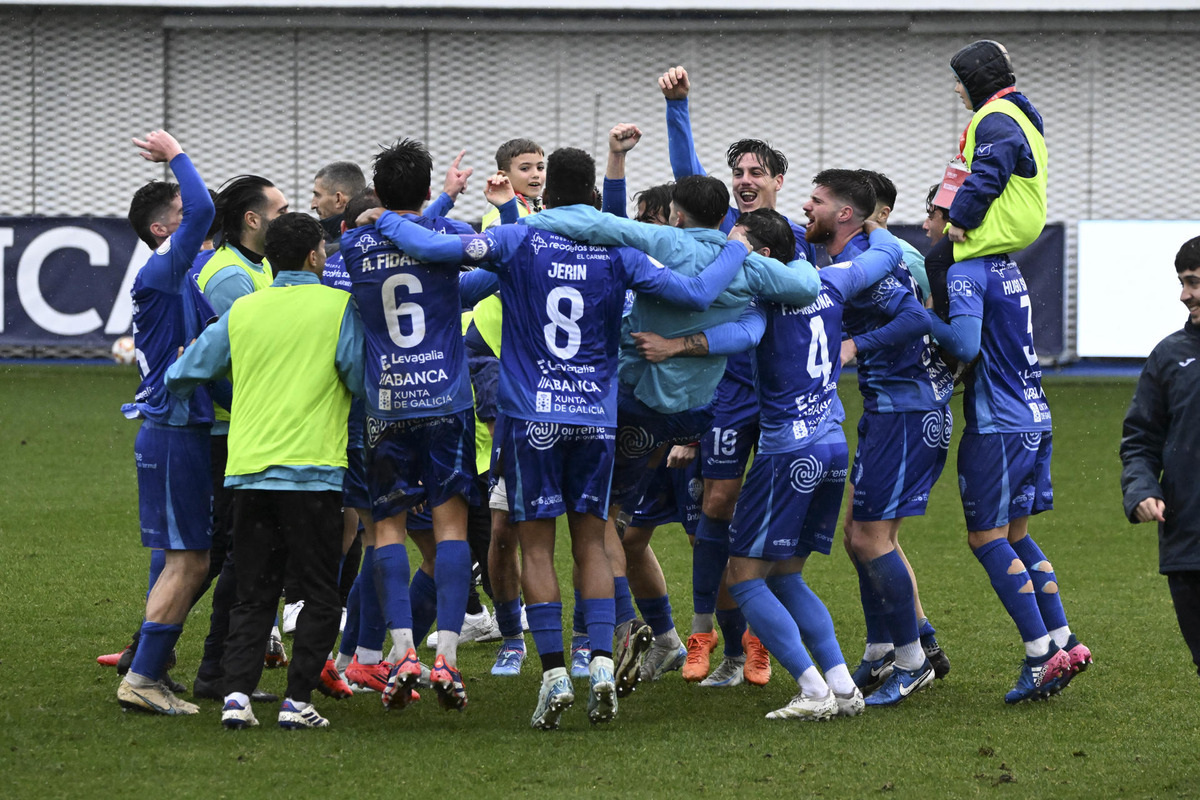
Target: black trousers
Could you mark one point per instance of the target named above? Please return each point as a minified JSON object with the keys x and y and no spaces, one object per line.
{"x":278,"y":533}
{"x":1185,"y":594}
{"x":221,"y":568}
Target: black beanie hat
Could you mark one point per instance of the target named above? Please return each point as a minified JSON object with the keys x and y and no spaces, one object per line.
{"x":983,"y":68}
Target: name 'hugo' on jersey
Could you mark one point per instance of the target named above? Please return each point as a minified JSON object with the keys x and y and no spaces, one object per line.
{"x":415,"y":362}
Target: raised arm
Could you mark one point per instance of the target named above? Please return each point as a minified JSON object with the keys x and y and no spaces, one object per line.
{"x":675,"y":86}
{"x":169,"y":273}
{"x":621,"y":139}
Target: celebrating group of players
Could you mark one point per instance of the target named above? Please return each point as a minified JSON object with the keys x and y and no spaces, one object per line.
{"x":570,"y":361}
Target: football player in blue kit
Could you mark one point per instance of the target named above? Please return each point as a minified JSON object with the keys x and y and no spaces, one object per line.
{"x":758,"y":176}
{"x":800,"y":470}
{"x":419,"y":427}
{"x":1004,"y":463}
{"x":669,"y":403}
{"x":903,"y":438}
{"x":172,"y":445}
{"x":558,"y":400}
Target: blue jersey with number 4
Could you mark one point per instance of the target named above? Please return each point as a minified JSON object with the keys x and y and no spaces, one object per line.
{"x":415,"y":362}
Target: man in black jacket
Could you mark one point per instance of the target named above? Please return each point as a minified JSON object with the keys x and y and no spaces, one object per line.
{"x":1160,"y":451}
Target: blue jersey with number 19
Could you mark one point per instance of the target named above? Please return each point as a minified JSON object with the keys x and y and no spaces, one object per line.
{"x":415,"y":362}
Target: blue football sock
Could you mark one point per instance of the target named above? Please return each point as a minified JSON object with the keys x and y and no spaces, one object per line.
{"x":391,"y":585}
{"x":773,"y":625}
{"x":452,"y":569}
{"x":1008,"y":576}
{"x":1045,"y":583}
{"x":372,"y":627}
{"x":893,"y":586}
{"x":349,"y":641}
{"x":872,"y":604}
{"x":158,"y":560}
{"x":508,"y":618}
{"x":423,"y":596}
{"x":545,"y":623}
{"x":657,"y":613}
{"x":811,"y":617}
{"x":623,"y":599}
{"x":154,"y":647}
{"x":709,"y":555}
{"x":577,"y":623}
{"x":599,"y":614}
{"x":732,"y":623}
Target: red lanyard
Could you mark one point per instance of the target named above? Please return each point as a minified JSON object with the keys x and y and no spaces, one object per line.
{"x":962,"y":139}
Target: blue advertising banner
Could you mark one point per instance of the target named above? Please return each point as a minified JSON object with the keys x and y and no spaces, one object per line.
{"x":66,"y":280}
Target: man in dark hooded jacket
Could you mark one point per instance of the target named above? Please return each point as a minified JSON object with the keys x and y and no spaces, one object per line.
{"x":1160,"y":452}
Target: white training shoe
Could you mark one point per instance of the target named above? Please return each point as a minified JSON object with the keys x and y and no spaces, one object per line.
{"x":291,"y":613}
{"x":294,"y":715}
{"x":481,"y":627}
{"x":555,"y":697}
{"x":728,"y":673}
{"x":850,"y":705}
{"x":155,"y":699}
{"x":805,"y":707}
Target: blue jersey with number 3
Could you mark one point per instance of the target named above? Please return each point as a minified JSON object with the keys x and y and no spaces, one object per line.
{"x":1004,"y":395}
{"x":415,"y":362}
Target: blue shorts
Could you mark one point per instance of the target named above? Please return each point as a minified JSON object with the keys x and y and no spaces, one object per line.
{"x":354,"y":484}
{"x":640,"y":432}
{"x":1003,"y":477}
{"x":419,"y":520}
{"x":424,"y":460}
{"x":790,"y":502}
{"x":674,"y":495}
{"x":726,"y":448}
{"x":551,"y":468}
{"x":899,"y":458}
{"x":175,"y":490}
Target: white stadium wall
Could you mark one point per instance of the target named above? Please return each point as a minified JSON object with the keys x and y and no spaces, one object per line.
{"x":280,"y":94}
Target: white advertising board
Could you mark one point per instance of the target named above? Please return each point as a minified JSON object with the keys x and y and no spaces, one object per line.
{"x":1128,"y":290}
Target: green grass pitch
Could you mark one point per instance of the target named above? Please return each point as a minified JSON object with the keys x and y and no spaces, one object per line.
{"x":72,"y":578}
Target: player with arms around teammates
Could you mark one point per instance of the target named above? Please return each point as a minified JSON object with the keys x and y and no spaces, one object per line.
{"x":558,"y":402}
{"x":420,"y":442}
{"x":172,"y":447}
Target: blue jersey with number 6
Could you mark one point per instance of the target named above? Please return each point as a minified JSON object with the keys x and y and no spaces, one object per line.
{"x":415,"y":362}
